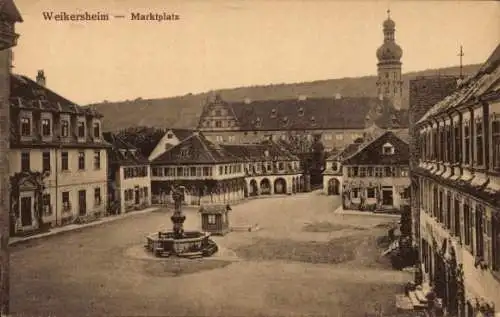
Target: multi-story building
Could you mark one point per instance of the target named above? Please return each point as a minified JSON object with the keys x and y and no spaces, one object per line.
{"x":458,"y":181}
{"x":332,"y":175}
{"x":207,"y":172}
{"x":58,"y":160}
{"x":375,"y":176}
{"x":338,"y":120}
{"x":129,"y":176}
{"x":269,"y":168}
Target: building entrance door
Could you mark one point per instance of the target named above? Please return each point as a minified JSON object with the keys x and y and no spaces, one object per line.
{"x":26,"y":211}
{"x":387,"y":197}
{"x":82,"y":202}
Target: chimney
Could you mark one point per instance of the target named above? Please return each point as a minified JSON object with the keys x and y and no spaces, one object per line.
{"x":40,"y":78}
{"x":247,"y":101}
{"x":338,"y":96}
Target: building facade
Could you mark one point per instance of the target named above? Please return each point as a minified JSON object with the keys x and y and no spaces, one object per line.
{"x":459,"y":194}
{"x":171,"y":138}
{"x":58,"y":159}
{"x":376,"y":175}
{"x":208,"y":173}
{"x":129,"y":186}
{"x":269,"y":168}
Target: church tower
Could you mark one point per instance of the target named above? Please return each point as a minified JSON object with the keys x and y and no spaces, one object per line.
{"x":389,"y":82}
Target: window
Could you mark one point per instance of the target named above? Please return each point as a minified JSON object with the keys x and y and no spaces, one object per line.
{"x":231,"y":138}
{"x":64,"y":161}
{"x":47,"y":210}
{"x":97,"y":160}
{"x":378,"y":172}
{"x":25,"y":126}
{"x":219,"y":138}
{"x":25,"y":161}
{"x":81,"y":129}
{"x":46,"y":129}
{"x":281,"y":166}
{"x":211,"y":219}
{"x":46,"y":161}
{"x":448,"y":211}
{"x":404,"y":172}
{"x":97,"y":130}
{"x":170,"y":136}
{"x":65,"y":201}
{"x":370,"y":192}
{"x":388,"y":149}
{"x":97,"y":196}
{"x":479,"y":143}
{"x":221,"y":170}
{"x":457,"y":228}
{"x":192,"y":171}
{"x":355,"y":193}
{"x":389,"y":171}
{"x":362,"y":172}
{"x":81,"y":160}
{"x":218,"y":124}
{"x":495,"y":143}
{"x":495,"y":231}
{"x":369,"y":171}
{"x":467,"y":224}
{"x":480,"y":229}
{"x":355,"y":171}
{"x":64,"y":128}
{"x":458,"y":145}
{"x":466,"y":143}
{"x":339,"y":137}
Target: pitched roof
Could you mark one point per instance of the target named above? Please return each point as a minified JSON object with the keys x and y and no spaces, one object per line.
{"x":257,"y":152}
{"x":486,"y":81}
{"x":9,"y":9}
{"x":182,"y":134}
{"x":27,"y":93}
{"x":123,"y":153}
{"x":196,"y":149}
{"x":370,"y":153}
{"x":314,"y":113}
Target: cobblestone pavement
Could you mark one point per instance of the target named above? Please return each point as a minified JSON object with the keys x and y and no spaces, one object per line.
{"x":305,"y":260}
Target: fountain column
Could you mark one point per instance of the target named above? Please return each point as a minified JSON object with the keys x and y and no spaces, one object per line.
{"x":178,"y":217}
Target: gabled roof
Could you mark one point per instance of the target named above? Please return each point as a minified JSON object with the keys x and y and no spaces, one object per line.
{"x":257,"y":152}
{"x":485,"y":82}
{"x":196,"y":149}
{"x":371,"y":152}
{"x":314,"y":113}
{"x":123,"y":153}
{"x":181,"y":134}
{"x":10,"y":11}
{"x":27,"y":93}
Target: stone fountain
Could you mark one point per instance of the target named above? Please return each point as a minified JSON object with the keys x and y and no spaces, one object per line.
{"x":189,"y":244}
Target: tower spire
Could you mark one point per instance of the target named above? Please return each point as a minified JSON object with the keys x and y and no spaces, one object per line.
{"x":461,"y":54}
{"x":388,"y":13}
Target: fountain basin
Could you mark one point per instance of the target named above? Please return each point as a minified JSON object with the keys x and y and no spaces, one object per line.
{"x":192,"y":244}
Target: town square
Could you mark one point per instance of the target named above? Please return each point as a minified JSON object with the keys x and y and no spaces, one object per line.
{"x":166,"y":158}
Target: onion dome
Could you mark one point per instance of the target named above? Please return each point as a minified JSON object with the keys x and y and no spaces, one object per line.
{"x":389,"y":51}
{"x":389,"y":24}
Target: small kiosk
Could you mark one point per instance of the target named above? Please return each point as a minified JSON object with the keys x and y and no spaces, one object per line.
{"x":214,"y":219}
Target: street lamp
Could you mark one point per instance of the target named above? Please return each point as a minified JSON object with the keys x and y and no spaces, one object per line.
{"x":9,"y":15}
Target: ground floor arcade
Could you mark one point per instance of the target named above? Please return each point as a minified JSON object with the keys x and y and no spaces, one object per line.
{"x":275,"y":184}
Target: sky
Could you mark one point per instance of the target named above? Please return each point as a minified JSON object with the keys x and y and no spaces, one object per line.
{"x":224,"y":44}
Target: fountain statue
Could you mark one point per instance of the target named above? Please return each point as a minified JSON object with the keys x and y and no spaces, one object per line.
{"x":190,"y":244}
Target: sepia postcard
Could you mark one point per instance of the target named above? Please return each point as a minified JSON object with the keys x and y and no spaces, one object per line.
{"x":249,"y":158}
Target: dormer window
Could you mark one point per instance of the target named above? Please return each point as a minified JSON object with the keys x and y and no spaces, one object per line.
{"x":273,"y":113}
{"x":64,"y":128}
{"x":301,"y":111}
{"x":46,"y":128}
{"x":81,"y":129}
{"x":170,"y":136}
{"x":97,"y":130}
{"x":388,"y":149}
{"x":26,"y":126}
{"x":257,"y":122}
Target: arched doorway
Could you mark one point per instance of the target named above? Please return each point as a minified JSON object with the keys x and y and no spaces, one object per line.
{"x":265,"y":187}
{"x":333,"y":187}
{"x":254,"y":188}
{"x":280,"y":186}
